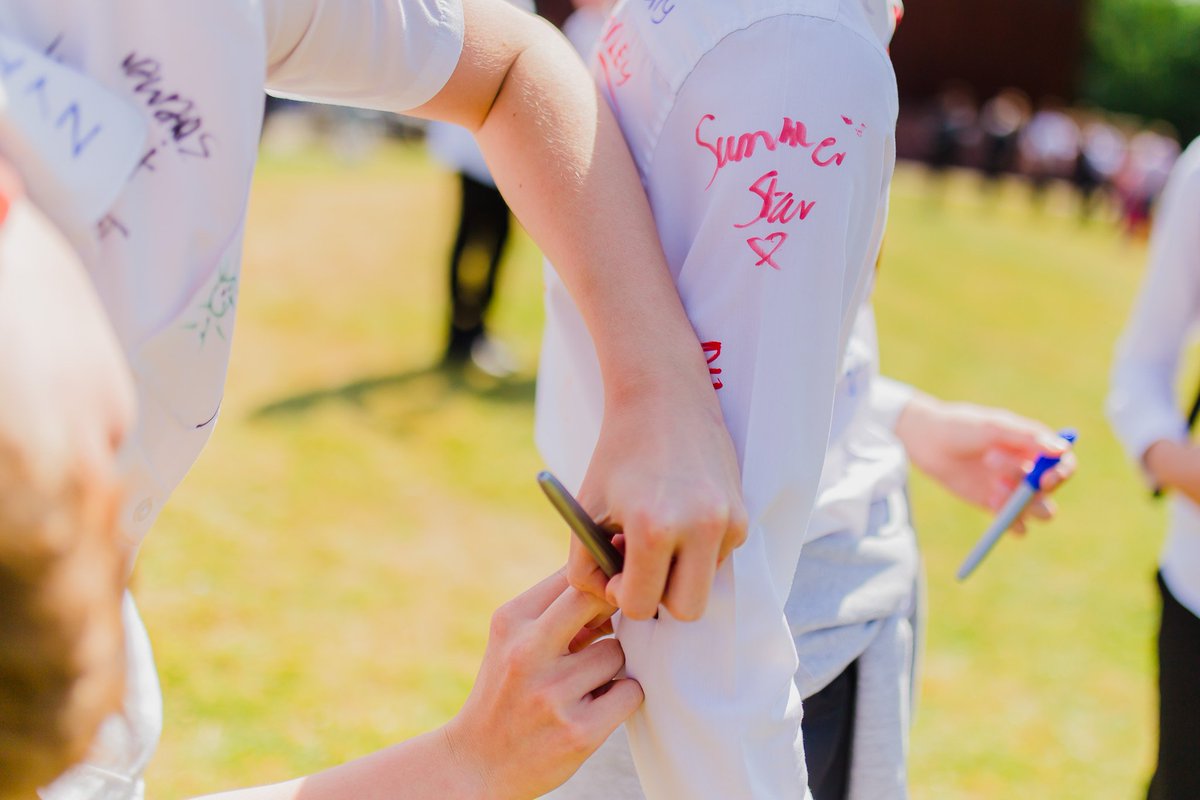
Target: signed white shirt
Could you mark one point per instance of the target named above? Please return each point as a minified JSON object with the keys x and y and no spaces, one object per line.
{"x":1143,"y":404}
{"x":764,"y":137}
{"x":135,"y":124}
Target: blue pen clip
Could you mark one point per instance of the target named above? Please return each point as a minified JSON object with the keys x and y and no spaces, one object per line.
{"x":1045,"y":463}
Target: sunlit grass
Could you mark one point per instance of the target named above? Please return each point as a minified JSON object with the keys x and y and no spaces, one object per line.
{"x":321,"y":584}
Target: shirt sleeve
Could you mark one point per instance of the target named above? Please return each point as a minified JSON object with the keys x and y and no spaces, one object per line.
{"x":889,"y":397}
{"x":769,"y":194}
{"x":390,"y":55}
{"x":1142,"y":401}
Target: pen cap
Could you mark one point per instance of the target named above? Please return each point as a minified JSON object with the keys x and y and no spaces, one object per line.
{"x":1045,"y":463}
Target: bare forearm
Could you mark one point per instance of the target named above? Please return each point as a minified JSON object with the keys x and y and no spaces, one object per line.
{"x":1175,"y":465}
{"x":565,"y":169}
{"x":425,"y":768}
{"x":664,"y":469}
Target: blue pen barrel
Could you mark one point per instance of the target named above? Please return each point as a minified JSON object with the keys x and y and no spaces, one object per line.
{"x":1007,"y":516}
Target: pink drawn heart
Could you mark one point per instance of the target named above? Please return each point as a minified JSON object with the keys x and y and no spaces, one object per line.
{"x":759,"y":246}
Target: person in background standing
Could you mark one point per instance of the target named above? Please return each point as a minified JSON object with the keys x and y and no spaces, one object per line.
{"x":1143,"y":411}
{"x":1001,"y":121}
{"x":484,"y":223}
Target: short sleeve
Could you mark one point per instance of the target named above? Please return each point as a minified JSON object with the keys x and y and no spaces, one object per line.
{"x":391,"y":55}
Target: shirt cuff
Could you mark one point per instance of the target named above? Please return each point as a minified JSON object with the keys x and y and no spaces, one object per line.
{"x":889,"y":398}
{"x":443,"y":56}
{"x":1139,"y":428}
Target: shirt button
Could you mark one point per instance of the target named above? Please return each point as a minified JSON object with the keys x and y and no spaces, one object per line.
{"x":143,"y":510}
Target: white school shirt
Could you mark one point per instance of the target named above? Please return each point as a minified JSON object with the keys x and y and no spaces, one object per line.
{"x":764,"y":136}
{"x":135,"y":124}
{"x":583,"y":28}
{"x":853,"y":590}
{"x":1143,"y":405}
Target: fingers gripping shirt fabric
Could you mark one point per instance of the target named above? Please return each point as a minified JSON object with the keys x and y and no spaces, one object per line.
{"x":765,"y":141}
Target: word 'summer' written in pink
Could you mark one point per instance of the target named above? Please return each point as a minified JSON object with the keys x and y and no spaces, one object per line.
{"x":739,"y":147}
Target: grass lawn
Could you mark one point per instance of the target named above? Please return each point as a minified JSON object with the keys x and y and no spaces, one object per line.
{"x":320,"y":586}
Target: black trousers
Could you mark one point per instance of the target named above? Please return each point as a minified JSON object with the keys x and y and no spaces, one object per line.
{"x":1177,"y":774}
{"x":483,"y":230}
{"x":828,"y":730}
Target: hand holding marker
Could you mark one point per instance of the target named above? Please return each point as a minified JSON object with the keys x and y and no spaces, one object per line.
{"x":1026,"y":490}
{"x":597,"y":540}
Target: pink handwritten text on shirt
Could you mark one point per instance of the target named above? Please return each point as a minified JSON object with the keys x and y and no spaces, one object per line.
{"x":614,"y":58}
{"x":777,"y":207}
{"x":859,"y":129}
{"x":739,"y":147}
{"x":712,"y":351}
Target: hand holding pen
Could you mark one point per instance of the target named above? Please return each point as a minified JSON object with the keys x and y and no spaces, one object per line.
{"x":1017,"y":502}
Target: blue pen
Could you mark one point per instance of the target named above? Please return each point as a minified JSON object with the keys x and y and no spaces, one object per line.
{"x":1025,"y":492}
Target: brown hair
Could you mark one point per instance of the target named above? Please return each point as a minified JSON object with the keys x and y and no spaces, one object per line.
{"x":62,"y":572}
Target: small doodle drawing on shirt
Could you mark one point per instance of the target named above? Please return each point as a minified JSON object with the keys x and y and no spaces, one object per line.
{"x":859,"y":129}
{"x":766,"y":247}
{"x":110,"y":224}
{"x":712,"y":351}
{"x":215,"y":311}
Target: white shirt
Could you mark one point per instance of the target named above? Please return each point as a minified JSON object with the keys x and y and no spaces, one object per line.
{"x":1143,"y":405}
{"x":858,"y":569}
{"x":584,"y":26}
{"x":136,"y":124}
{"x":764,"y":136}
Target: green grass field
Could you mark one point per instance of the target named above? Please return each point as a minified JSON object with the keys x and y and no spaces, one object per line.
{"x":321,"y":584}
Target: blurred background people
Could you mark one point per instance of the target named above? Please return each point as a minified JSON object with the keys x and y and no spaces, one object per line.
{"x":1000,"y":122}
{"x":484,"y":224}
{"x":1049,"y":147}
{"x":1101,"y":154}
{"x":953,"y":123}
{"x":1143,"y":176}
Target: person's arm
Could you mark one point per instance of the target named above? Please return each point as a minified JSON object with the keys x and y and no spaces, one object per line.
{"x":664,"y":471}
{"x":544,"y":700}
{"x":1143,"y":406}
{"x":977,"y":453}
